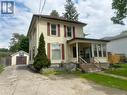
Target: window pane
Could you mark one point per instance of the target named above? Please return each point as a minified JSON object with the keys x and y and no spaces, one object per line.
{"x":74,"y":52}
{"x":53,"y":29}
{"x":95,"y":50}
{"x":104,"y":50}
{"x":56,"y":51}
{"x":99,"y":50}
{"x":69,"y":31}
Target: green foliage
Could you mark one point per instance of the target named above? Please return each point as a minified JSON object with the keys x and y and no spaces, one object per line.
{"x":19,"y":42}
{"x":120,"y":7}
{"x":1,"y":68}
{"x":70,"y":11}
{"x":24,"y":44}
{"x":54,"y":13}
{"x":3,"y":50}
{"x":118,"y":69}
{"x":41,"y":60}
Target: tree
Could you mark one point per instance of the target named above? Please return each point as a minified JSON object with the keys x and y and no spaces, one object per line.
{"x":41,"y":60}
{"x":54,"y":13}
{"x":120,"y":7}
{"x":24,"y":44}
{"x":70,"y":11}
{"x":3,"y":50}
{"x":19,"y":42}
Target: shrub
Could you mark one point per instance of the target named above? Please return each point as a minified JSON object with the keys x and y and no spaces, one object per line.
{"x":41,"y":60}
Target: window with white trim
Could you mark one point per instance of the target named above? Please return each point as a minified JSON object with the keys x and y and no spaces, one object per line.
{"x":56,"y":51}
{"x":95,"y":50}
{"x":69,"y":31}
{"x":53,"y":29}
{"x":104,"y":50}
{"x":99,"y":50}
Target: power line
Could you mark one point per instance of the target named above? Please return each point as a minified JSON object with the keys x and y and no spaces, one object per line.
{"x":39,"y":6}
{"x":43,"y":6}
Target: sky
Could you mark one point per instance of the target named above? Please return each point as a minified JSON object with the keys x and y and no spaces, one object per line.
{"x":96,"y":13}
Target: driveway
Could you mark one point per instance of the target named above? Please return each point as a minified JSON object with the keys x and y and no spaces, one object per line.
{"x":18,"y":80}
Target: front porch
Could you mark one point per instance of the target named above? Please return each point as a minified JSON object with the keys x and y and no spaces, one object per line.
{"x":90,"y":50}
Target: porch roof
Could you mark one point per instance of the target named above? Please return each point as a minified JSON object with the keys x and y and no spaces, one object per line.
{"x":87,"y":40}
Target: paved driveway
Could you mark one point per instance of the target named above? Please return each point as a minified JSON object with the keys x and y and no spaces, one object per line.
{"x":17,"y":80}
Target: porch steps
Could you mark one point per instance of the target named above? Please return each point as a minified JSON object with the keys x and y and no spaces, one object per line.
{"x":89,"y":67}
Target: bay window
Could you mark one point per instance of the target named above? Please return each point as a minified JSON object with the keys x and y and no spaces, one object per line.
{"x":104,"y":50}
{"x":99,"y":50}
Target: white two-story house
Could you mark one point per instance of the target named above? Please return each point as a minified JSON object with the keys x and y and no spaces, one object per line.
{"x":64,"y":40}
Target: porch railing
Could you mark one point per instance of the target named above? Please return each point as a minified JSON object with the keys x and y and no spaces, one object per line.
{"x":82,"y":60}
{"x":96,"y":62}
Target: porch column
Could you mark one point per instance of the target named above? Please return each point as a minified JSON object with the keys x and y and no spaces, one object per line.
{"x":77,"y":51}
{"x":102,"y":50}
{"x":92,"y":49}
{"x":97,"y":50}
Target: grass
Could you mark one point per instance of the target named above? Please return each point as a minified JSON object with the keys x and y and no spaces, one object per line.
{"x":100,"y":79}
{"x":96,"y":78}
{"x":1,"y":68}
{"x":121,"y":70}
{"x":53,"y":72}
{"x":106,"y":80}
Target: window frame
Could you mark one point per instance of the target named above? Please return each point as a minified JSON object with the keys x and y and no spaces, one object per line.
{"x":71,"y":31}
{"x":59,"y":49}
{"x":51,"y":29}
{"x":104,"y":50}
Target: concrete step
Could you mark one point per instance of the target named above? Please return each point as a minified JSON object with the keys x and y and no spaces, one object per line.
{"x":89,"y":68}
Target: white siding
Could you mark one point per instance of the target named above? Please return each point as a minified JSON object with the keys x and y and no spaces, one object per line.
{"x":41,"y":27}
{"x":118,"y":46}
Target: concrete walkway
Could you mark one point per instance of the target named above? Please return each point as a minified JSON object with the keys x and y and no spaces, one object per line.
{"x":18,"y":80}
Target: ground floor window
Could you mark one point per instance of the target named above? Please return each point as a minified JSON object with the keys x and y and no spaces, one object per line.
{"x":56,"y":51}
{"x":74,"y":52}
{"x":99,"y":50}
{"x":104,"y":50}
{"x":95,"y":50}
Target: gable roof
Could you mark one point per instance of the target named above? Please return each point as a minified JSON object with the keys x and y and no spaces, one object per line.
{"x":120,"y":36}
{"x":19,"y":52}
{"x":53,"y":18}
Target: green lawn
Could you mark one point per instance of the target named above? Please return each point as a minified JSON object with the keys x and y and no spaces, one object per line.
{"x":1,"y":68}
{"x":121,"y":70}
{"x":106,"y":80}
{"x":96,"y":78}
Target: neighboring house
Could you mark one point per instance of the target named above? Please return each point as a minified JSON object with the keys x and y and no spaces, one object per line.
{"x":64,"y":40}
{"x":19,"y":58}
{"x":118,"y":44}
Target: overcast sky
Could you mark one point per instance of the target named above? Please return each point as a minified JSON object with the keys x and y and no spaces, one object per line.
{"x":96,"y":13}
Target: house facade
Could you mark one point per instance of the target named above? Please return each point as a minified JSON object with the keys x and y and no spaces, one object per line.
{"x":64,"y":40}
{"x":118,"y":44}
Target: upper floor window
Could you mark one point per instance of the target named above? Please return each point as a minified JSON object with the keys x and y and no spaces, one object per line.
{"x":69,"y":31}
{"x":53,"y":29}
